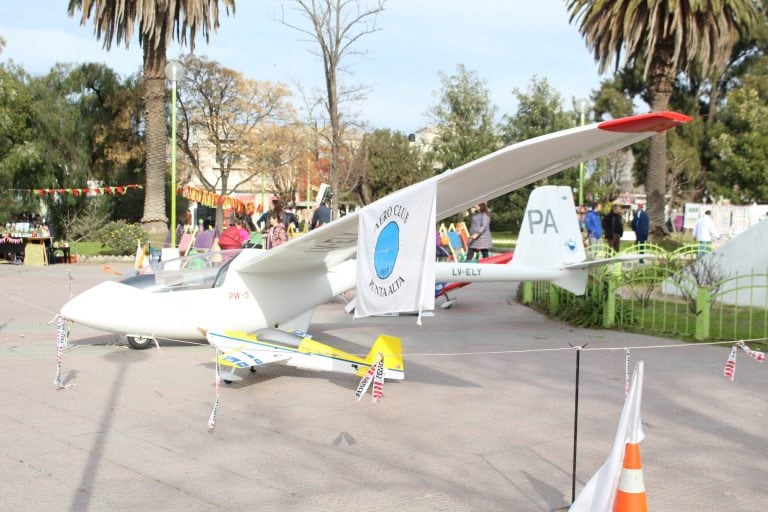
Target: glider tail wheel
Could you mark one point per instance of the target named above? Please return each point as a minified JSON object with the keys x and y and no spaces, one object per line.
{"x":139,"y":342}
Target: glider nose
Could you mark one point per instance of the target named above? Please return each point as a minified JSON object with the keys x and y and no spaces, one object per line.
{"x":98,"y":307}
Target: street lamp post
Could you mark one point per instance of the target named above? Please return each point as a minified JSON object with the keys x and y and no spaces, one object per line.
{"x":583,"y":106}
{"x":173,"y":72}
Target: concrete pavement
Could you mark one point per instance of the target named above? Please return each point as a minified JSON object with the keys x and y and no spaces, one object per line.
{"x":479,"y":424}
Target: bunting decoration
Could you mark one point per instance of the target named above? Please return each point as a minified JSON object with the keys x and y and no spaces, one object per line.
{"x":754,"y":354}
{"x":61,"y":344}
{"x":626,"y":373}
{"x":5,"y":239}
{"x":365,"y":382}
{"x":378,"y":380}
{"x":730,"y":365}
{"x":115,"y":190}
{"x":212,"y":417}
{"x":208,"y":198}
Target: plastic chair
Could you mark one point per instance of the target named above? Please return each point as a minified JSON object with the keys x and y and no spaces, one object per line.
{"x":255,"y":240}
{"x":204,"y":240}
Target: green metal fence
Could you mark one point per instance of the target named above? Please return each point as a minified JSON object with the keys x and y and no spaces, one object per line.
{"x":660,"y":297}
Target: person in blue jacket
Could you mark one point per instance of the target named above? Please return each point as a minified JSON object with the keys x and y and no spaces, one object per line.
{"x":594,"y":224}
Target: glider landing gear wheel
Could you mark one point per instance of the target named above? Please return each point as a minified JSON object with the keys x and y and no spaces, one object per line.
{"x":139,"y":342}
{"x":252,"y":368}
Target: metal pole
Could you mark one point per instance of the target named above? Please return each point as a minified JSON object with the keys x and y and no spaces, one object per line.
{"x":173,"y":163}
{"x":576,"y":420}
{"x":308,"y":174}
{"x":581,"y":171}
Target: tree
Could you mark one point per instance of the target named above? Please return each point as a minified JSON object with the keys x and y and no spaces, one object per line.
{"x":82,"y":124}
{"x":20,"y":150}
{"x":540,"y":111}
{"x":286,"y":158}
{"x":158,"y":23}
{"x":390,"y":162}
{"x":664,"y":38}
{"x":336,"y":26}
{"x":223,"y":122}
{"x":463,"y":120}
{"x":740,"y":149}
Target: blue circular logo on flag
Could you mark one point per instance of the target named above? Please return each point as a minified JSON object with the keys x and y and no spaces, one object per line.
{"x":387,"y":248}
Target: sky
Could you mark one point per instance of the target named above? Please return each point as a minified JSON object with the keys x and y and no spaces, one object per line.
{"x":506,"y":42}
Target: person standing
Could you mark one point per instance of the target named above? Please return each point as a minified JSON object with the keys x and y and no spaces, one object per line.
{"x":640,"y":226}
{"x":321,"y":215}
{"x":705,"y":232}
{"x":277,"y":235}
{"x":480,"y":239}
{"x":593,"y":224}
{"x":613,"y":226}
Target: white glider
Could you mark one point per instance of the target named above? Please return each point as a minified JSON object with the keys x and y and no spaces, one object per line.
{"x":250,"y":289}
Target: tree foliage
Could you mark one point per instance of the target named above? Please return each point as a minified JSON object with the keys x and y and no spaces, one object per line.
{"x":540,"y":111}
{"x":390,"y":162}
{"x":65,"y":129}
{"x":740,"y":149}
{"x":463,"y":119}
{"x":226,"y":115}
{"x":19,"y":149}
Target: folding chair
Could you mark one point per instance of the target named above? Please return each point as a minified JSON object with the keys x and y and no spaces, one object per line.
{"x":458,"y":249}
{"x":204,"y":240}
{"x":185,"y":243}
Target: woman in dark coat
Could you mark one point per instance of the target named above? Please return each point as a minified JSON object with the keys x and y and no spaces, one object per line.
{"x":479,"y":232}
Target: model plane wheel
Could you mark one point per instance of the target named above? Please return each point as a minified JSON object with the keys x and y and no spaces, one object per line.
{"x":252,"y":368}
{"x":139,"y":342}
{"x":229,"y":378}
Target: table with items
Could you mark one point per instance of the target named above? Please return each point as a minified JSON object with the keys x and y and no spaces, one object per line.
{"x":29,"y":250}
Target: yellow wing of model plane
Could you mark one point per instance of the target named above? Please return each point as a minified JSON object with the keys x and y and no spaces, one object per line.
{"x":267,"y":346}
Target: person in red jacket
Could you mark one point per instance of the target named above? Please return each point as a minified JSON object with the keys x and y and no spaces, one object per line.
{"x":232,"y":237}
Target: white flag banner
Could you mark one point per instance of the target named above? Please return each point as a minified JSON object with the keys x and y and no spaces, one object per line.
{"x":600,"y":491}
{"x":396,"y":253}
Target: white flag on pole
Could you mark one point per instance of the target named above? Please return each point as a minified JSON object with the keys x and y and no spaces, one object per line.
{"x":396,"y":253}
{"x":600,"y":491}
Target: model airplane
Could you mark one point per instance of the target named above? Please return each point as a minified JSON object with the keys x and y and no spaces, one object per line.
{"x":250,"y":289}
{"x":273,"y":346}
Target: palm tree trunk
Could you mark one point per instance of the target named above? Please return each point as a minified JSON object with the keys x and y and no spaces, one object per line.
{"x":661,"y":81}
{"x":154,"y":220}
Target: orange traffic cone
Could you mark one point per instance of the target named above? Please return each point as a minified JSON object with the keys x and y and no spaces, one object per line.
{"x":630,"y":494}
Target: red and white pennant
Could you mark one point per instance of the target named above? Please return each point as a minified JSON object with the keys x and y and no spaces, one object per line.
{"x":374,"y":374}
{"x":730,"y":365}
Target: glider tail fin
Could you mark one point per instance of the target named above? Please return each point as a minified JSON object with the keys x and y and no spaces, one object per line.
{"x":550,"y":235}
{"x":391,"y":349}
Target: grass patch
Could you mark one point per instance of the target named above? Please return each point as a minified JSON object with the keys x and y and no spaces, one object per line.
{"x":504,"y":240}
{"x":87,"y":248}
{"x":727,"y":322}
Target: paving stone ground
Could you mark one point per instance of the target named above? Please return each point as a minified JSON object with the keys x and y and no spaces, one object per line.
{"x":483,"y":421}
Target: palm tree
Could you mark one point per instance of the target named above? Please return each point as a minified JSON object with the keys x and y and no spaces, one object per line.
{"x":159,"y":21}
{"x":665,"y":38}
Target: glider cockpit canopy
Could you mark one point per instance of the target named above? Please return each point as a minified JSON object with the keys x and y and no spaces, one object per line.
{"x":198,"y":271}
